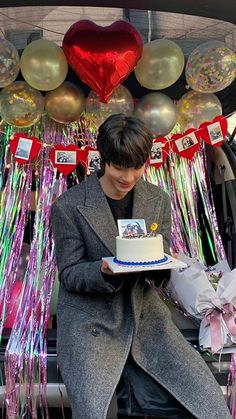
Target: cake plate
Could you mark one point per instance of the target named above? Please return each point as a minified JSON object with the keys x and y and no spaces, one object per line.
{"x":170,"y":263}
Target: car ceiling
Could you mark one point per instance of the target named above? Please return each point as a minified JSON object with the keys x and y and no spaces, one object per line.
{"x":224,"y":10}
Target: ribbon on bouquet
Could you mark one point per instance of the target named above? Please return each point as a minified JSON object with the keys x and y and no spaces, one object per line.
{"x":213,"y":318}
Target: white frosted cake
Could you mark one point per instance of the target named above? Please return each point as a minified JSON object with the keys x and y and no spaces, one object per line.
{"x":139,"y":250}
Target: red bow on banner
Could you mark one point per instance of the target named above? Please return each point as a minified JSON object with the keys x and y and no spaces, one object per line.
{"x":186,"y":144}
{"x":102,"y":56}
{"x":214,"y":132}
{"x":159,"y":152}
{"x":65,"y":159}
{"x":24,"y":148}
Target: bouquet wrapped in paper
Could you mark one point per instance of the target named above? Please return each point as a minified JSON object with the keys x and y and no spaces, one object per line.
{"x":209,"y":296}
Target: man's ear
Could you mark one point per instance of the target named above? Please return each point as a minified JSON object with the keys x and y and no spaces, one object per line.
{"x":102,"y":165}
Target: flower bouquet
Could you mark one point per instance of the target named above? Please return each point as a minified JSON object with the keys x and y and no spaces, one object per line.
{"x":209,"y":296}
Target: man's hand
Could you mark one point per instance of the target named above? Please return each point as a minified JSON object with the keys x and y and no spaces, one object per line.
{"x":105,"y":269}
{"x":175,"y":255}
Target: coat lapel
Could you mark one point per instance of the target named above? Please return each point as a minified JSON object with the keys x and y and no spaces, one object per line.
{"x":97,"y":213}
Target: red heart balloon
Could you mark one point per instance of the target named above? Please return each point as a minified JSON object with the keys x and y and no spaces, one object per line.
{"x":160,"y":151}
{"x":102,"y":56}
{"x":186,"y":144}
{"x":214,"y":132}
{"x":24,"y":148}
{"x":65,"y":159}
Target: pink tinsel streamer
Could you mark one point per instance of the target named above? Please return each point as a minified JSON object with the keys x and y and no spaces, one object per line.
{"x":26,"y":351}
{"x":16,"y":203}
{"x":183,"y":180}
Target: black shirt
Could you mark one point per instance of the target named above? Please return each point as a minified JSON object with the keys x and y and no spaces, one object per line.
{"x":121,"y":208}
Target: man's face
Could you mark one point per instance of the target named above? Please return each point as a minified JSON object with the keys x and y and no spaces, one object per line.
{"x":120,"y":180}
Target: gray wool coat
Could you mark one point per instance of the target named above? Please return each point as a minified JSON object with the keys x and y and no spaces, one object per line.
{"x":97,"y":328}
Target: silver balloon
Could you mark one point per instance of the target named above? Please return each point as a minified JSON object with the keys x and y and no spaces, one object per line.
{"x":121,"y":101}
{"x":159,"y":113}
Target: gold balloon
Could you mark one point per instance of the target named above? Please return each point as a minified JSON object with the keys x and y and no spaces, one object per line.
{"x":161,"y":64}
{"x":43,"y":65}
{"x":20,"y":104}
{"x":65,"y":104}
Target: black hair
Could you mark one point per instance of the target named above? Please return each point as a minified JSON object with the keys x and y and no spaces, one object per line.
{"x":124,"y":141}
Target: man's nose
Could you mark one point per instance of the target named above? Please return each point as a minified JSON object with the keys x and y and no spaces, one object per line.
{"x":128,"y":176}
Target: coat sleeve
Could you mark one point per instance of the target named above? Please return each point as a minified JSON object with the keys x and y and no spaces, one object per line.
{"x":76,"y":273}
{"x":161,"y":277}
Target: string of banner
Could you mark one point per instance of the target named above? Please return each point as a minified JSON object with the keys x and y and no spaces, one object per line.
{"x":65,"y":158}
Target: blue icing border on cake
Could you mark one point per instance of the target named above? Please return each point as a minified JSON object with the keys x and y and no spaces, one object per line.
{"x":153,"y":262}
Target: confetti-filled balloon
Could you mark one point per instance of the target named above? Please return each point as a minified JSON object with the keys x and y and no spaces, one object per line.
{"x":211,"y":67}
{"x":9,"y":63}
{"x":66,"y":103}
{"x":158,"y":111}
{"x":161,"y":64}
{"x":43,"y":65}
{"x":195,"y":108}
{"x":121,"y":101}
{"x":20,"y":104}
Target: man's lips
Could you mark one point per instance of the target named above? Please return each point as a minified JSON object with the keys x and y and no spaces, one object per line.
{"x":125,"y":185}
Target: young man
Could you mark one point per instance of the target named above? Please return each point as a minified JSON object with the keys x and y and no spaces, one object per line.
{"x":114,"y":332}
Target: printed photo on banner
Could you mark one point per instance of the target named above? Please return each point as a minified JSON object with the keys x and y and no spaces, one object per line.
{"x":186,"y":142}
{"x":215,"y":133}
{"x":65,"y":157}
{"x":131,"y":228}
{"x":156,"y":153}
{"x":23,"y":148}
{"x":94,"y":160}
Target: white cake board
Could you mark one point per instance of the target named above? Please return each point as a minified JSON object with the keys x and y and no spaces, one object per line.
{"x":171,"y":263}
